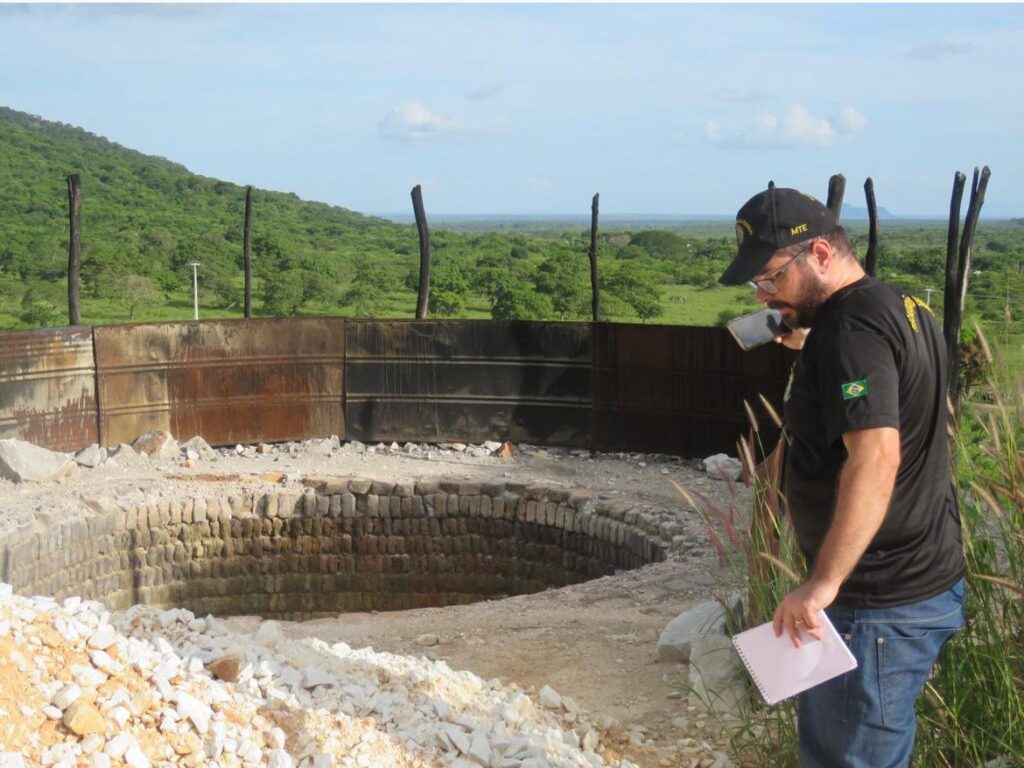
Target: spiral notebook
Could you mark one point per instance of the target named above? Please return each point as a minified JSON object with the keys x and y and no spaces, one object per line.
{"x":780,"y":670}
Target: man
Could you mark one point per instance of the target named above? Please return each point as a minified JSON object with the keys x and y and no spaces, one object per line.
{"x":867,"y":477}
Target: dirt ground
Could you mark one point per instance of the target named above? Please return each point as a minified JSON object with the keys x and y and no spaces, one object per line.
{"x":594,"y":642}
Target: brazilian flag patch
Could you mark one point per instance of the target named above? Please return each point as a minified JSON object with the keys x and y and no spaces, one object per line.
{"x":854,"y":389}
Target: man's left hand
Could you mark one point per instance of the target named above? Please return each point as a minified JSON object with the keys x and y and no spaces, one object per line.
{"x":800,"y":610}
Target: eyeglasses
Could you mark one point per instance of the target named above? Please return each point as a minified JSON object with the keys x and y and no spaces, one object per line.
{"x":767,"y":284}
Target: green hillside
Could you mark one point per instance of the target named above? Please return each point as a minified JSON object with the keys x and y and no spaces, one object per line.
{"x":146,"y":216}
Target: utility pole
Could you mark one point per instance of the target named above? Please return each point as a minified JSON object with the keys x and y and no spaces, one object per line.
{"x":928,"y":295}
{"x":1007,"y":315}
{"x":195,"y":288}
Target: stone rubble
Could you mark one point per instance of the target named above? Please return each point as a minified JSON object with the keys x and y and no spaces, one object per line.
{"x":81,"y":686}
{"x":262,"y":723}
{"x":723,"y":467}
{"x":21,"y":461}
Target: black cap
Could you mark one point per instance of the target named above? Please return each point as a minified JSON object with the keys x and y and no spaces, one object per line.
{"x":771,"y":220}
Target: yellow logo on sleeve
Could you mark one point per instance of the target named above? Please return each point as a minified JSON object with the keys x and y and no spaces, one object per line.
{"x":910,"y":305}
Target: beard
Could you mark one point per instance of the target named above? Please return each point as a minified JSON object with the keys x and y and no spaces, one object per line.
{"x":804,"y":308}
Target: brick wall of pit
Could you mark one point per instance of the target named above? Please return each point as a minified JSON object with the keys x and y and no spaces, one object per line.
{"x":337,"y":545}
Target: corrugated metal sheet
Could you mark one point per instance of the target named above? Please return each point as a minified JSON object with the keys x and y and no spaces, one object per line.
{"x":638,"y":387}
{"x":680,"y":390}
{"x":230,"y":381}
{"x":469,"y":380}
{"x":48,"y":387}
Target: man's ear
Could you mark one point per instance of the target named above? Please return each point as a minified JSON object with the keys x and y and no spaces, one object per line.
{"x":821,"y":255}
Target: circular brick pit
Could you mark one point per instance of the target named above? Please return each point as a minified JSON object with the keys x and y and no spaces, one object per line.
{"x":329,"y":545}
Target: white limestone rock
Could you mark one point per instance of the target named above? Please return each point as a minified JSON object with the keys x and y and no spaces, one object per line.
{"x":278,"y":758}
{"x":717,"y":677}
{"x":550,"y":698}
{"x":91,"y":456}
{"x":66,"y":696}
{"x":723,"y":467}
{"x":703,"y":620}
{"x":102,"y":638}
{"x":21,"y":461}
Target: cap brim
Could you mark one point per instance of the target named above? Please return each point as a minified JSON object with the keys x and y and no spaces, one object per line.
{"x":745,"y":266}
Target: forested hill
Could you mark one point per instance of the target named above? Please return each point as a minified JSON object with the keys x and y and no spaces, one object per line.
{"x":147,"y":216}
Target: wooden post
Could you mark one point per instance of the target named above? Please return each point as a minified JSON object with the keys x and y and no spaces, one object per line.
{"x":423,"y":295}
{"x":836,"y":190}
{"x":871,"y":258}
{"x":956,"y":298}
{"x":247,"y":251}
{"x":594,"y":285}
{"x":74,"y":248}
{"x":951,"y":317}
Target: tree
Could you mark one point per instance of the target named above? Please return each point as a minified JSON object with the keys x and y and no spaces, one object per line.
{"x":565,"y":280}
{"x":41,"y":314}
{"x":134,"y":291}
{"x":282,"y":294}
{"x":369,"y":289}
{"x":659,"y":243}
{"x":639,"y":289}
{"x":449,"y":288}
{"x":515,"y":299}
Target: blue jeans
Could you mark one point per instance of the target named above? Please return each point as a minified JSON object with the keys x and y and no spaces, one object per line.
{"x":865,"y":718}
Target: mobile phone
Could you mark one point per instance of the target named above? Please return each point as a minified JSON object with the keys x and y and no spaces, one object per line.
{"x":753,"y":330}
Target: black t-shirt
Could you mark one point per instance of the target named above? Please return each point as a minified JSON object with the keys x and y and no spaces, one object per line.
{"x":876,"y":358}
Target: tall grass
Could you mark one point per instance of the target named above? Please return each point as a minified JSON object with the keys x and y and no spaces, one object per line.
{"x":973,"y":708}
{"x":972,"y":711}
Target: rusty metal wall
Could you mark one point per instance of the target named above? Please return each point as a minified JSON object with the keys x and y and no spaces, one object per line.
{"x":468,"y":380}
{"x":48,"y":387}
{"x":679,"y":390}
{"x":667,"y":389}
{"x":231,"y":381}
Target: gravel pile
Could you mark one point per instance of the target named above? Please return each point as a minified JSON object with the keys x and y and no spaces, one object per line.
{"x":80,"y":686}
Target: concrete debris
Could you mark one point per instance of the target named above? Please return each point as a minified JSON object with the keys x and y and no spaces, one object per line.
{"x":723,"y":467}
{"x":124,"y":455}
{"x":200,"y":447}
{"x":717,"y":677}
{"x":91,"y":456}
{"x":157,"y":443}
{"x":21,"y":461}
{"x":703,"y":620}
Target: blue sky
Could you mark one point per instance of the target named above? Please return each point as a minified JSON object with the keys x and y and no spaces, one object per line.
{"x":531,"y":109}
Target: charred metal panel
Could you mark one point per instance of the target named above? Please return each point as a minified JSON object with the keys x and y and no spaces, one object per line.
{"x":48,"y":387}
{"x":470,"y":380}
{"x":680,"y":390}
{"x":231,"y":381}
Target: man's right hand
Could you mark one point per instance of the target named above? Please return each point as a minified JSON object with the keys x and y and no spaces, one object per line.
{"x":794,"y":339}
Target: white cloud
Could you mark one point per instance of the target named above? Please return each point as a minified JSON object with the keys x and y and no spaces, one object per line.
{"x":851,"y":121}
{"x":797,"y":127}
{"x":938,"y":49}
{"x":414,"y":122}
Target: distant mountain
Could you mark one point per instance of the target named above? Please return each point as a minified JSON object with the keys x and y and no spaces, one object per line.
{"x":853,"y":212}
